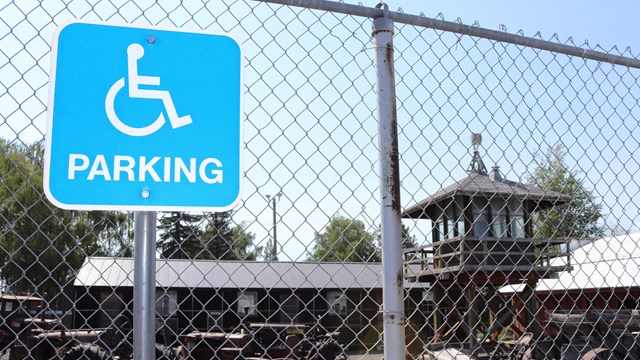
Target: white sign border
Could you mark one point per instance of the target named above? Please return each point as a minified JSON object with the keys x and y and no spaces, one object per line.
{"x":47,"y":156}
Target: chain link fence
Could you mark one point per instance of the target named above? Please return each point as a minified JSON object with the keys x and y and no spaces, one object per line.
{"x":519,"y":242}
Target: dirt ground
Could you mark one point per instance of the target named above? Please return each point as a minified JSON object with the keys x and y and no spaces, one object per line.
{"x":372,"y":355}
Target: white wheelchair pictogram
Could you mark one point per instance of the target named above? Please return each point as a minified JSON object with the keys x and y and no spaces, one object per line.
{"x":135,"y":53}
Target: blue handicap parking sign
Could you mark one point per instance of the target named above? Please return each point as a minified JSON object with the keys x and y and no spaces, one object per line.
{"x":143,"y":118}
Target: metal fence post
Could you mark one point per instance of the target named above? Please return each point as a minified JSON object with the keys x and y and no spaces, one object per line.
{"x":144,"y":279}
{"x":393,"y":279}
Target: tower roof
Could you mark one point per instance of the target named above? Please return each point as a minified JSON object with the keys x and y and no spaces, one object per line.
{"x":481,"y":184}
{"x":487,"y":186}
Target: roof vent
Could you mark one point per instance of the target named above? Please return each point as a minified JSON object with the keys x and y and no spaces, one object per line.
{"x":495,"y":175}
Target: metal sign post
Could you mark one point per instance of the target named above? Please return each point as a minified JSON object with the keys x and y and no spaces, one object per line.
{"x":144,"y":278}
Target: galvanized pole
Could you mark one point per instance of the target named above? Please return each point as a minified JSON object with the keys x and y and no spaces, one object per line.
{"x":393,"y":280}
{"x":144,"y":289}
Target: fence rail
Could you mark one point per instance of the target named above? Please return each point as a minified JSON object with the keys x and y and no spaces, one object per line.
{"x":462,"y":29}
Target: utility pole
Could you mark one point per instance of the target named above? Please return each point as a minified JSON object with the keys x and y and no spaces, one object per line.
{"x":274,"y":255}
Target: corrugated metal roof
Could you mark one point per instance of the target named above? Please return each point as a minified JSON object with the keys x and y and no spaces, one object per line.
{"x":612,"y":262}
{"x":477,"y":184}
{"x":101,"y":271}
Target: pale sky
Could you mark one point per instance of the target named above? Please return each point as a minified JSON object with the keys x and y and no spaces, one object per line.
{"x":309,"y":129}
{"x":576,"y":22}
{"x":607,"y":24}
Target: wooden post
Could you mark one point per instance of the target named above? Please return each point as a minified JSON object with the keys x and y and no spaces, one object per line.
{"x":532,"y":308}
{"x":438,"y":298}
{"x":472,"y":312}
{"x":494,"y":308}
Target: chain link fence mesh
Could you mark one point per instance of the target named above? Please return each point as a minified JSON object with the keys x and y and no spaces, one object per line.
{"x":301,"y":254}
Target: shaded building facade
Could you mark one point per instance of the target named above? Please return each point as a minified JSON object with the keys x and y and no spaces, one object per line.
{"x":223,"y":295}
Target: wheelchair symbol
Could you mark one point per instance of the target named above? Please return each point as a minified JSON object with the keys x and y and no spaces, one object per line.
{"x":135,"y":53}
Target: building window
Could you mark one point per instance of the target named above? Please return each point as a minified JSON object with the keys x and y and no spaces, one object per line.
{"x":427,"y":305}
{"x":337,"y":301}
{"x":247,"y":301}
{"x":498,"y":218}
{"x":166,"y":302}
{"x":450,"y":225}
{"x":499,"y":226}
{"x":517,"y":221}
{"x":499,"y":213}
{"x":451,"y":229}
{"x":481,"y":217}
{"x":441,"y":230}
{"x":517,"y":227}
{"x":481,"y":224}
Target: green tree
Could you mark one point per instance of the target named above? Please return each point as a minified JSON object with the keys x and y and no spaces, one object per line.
{"x":42,"y":246}
{"x":580,"y":218}
{"x":223,"y":240}
{"x":243,"y":243}
{"x":180,"y":235}
{"x":408,"y":240}
{"x":212,"y":236}
{"x":266,"y":252}
{"x":345,"y":240}
{"x":105,"y":233}
{"x":217,"y":236}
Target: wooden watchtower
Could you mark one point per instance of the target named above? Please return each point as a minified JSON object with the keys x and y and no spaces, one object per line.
{"x":482,"y":240}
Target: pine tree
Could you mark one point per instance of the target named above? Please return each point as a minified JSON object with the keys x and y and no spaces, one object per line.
{"x":224,"y":240}
{"x":180,"y":236}
{"x":217,"y":237}
{"x":580,"y":218}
